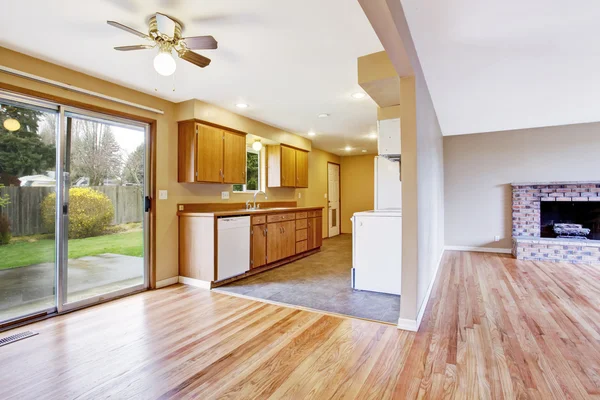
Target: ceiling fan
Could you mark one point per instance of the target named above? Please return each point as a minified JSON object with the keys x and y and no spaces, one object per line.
{"x":165,"y":33}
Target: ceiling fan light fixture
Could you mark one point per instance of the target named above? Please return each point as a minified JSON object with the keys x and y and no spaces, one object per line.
{"x":12,"y":125}
{"x":257,"y":145}
{"x":164,"y":63}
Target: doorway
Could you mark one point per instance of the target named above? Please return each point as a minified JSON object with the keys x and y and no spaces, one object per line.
{"x":333,"y":195}
{"x":74,"y":210}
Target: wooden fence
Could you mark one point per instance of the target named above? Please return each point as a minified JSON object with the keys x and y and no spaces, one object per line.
{"x":25,"y":217}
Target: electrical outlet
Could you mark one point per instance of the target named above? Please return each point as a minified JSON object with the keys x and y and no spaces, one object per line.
{"x":181,"y":207}
{"x":325,"y":195}
{"x":497,"y":238}
{"x":224,"y":195}
{"x":162,"y":194}
{"x":299,"y":195}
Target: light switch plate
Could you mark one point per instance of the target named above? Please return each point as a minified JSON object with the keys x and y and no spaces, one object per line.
{"x":299,"y":195}
{"x":162,"y":194}
{"x":325,"y":195}
{"x":224,"y":195}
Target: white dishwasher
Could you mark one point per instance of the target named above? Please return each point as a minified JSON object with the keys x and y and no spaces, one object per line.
{"x":233,"y":250}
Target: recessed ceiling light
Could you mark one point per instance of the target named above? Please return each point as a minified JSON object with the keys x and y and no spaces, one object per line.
{"x":372,"y":135}
{"x":311,"y":133}
{"x":241,"y":105}
{"x":358,"y":95}
{"x":364,"y":151}
{"x":348,"y":148}
{"x":324,"y":115}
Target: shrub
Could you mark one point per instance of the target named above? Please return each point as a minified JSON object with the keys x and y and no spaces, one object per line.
{"x":90,"y":212}
{"x":4,"y":230}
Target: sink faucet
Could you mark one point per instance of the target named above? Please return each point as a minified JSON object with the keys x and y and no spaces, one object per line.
{"x":248,"y":204}
{"x":260,"y":191}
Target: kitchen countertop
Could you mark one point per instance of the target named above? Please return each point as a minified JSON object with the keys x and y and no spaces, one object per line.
{"x":241,"y":212}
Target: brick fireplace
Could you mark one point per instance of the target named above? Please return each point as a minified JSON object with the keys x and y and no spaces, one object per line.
{"x":527,"y":229}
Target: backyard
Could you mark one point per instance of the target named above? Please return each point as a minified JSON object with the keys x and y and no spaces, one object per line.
{"x":37,"y":249}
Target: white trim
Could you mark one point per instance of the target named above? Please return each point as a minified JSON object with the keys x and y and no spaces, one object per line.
{"x":72,"y":88}
{"x":411,"y":324}
{"x":195,"y":282}
{"x":478,"y":249}
{"x":167,"y":282}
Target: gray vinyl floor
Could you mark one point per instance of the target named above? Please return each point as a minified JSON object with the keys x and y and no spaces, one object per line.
{"x":322,"y":282}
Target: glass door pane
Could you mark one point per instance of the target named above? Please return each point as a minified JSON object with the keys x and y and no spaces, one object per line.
{"x":105,"y":164}
{"x":27,"y":209}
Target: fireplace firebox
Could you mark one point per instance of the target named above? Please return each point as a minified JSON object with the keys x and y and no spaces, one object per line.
{"x":572,"y":219}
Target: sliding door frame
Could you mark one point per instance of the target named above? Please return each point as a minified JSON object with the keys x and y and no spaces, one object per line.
{"x":29,"y":96}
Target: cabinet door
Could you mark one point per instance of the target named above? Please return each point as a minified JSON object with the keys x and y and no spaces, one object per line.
{"x":288,"y":239}
{"x":273,"y":242}
{"x":315,"y":233}
{"x":259,"y":246}
{"x":209,"y":161}
{"x":301,"y":169}
{"x":234,"y":158}
{"x":288,"y":167}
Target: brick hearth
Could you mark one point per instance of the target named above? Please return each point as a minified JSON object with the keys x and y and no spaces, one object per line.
{"x":526,"y":205}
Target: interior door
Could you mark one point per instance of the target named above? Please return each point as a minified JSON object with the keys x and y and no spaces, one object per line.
{"x":301,"y":169}
{"x":259,"y":246}
{"x":288,"y":167}
{"x":104,"y":210}
{"x":234,"y":158}
{"x":333,"y":190}
{"x":209,"y":150}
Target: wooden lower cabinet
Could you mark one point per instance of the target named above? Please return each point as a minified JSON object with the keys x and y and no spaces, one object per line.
{"x":314,"y":233}
{"x":281,"y":240}
{"x":259,"y":246}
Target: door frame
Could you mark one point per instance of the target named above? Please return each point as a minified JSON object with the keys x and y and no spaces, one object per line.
{"x":151,"y":134}
{"x":340,"y":199}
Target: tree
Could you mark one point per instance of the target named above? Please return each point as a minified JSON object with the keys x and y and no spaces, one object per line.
{"x":133,"y":169}
{"x":23,"y":152}
{"x":95,"y":152}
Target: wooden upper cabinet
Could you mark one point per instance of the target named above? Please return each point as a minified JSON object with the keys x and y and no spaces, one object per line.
{"x":209,"y":150}
{"x":234,"y":158}
{"x":209,"y":154}
{"x":287,"y":167}
{"x":301,"y":169}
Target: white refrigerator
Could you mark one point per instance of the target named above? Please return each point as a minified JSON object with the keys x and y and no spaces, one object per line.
{"x":377,"y":251}
{"x":388,"y":187}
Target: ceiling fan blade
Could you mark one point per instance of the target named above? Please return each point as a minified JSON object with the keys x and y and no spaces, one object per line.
{"x":134,"y":47}
{"x":200,"y":42}
{"x":195,"y":59}
{"x":128,"y":29}
{"x":165,"y":25}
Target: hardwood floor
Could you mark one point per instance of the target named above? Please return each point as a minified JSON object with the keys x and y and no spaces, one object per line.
{"x":496,"y":328}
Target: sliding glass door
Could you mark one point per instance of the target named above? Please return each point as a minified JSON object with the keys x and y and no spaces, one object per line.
{"x":73,"y":208}
{"x":28,"y":133}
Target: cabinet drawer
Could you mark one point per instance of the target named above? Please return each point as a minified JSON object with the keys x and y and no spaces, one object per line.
{"x":259,"y":219}
{"x":316,"y":213}
{"x":301,"y":215}
{"x":301,"y":247}
{"x":301,"y":223}
{"x":301,"y":234}
{"x":280,"y":217}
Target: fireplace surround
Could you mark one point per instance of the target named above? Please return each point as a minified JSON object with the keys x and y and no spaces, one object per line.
{"x":538,"y":207}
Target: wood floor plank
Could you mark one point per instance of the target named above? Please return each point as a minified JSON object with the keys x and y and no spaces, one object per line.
{"x":494,"y":328}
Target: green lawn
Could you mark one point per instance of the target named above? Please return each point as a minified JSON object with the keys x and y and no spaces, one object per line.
{"x":21,"y":253}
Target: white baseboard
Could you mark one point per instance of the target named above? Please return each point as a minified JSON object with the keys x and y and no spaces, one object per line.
{"x":479,"y":249}
{"x":195,"y":282}
{"x":167,"y":282}
{"x":413,"y":324}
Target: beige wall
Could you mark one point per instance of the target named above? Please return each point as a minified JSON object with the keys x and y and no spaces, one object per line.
{"x":422,"y":159}
{"x":166,"y":168}
{"x":357,"y":187}
{"x":480,"y":168}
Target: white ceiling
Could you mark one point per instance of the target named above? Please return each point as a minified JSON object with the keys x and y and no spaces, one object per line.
{"x":289,"y":60}
{"x":511,"y":64}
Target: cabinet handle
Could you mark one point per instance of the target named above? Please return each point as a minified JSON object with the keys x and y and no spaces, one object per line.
{"x":265,"y":232}
{"x":221,"y":173}
{"x":283,"y":229}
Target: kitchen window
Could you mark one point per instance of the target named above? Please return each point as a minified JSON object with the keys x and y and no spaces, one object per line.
{"x":253,"y":166}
